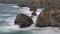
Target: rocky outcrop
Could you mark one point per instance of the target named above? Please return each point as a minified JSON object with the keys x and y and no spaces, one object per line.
{"x":47,"y":4}
{"x":23,"y":21}
{"x":33,"y":8}
{"x":48,"y":18}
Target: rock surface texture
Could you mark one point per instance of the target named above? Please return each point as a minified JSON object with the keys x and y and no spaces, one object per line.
{"x":48,"y":18}
{"x":47,"y":4}
{"x":23,"y":21}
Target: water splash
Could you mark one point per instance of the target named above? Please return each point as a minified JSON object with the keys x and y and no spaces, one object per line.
{"x":10,"y":17}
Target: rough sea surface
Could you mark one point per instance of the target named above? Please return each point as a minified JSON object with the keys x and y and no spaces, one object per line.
{"x":8,"y":14}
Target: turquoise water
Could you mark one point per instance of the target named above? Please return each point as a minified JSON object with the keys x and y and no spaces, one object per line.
{"x":8,"y":14}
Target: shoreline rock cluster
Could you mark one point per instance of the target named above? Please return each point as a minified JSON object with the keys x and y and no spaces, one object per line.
{"x":47,"y":4}
{"x":47,"y":18}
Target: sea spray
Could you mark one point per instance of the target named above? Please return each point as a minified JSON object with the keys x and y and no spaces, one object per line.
{"x":8,"y":26}
{"x":27,"y":11}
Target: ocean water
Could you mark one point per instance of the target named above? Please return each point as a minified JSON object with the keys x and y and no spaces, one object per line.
{"x":8,"y":13}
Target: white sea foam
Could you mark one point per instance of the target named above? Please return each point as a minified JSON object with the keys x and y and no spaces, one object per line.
{"x":5,"y":14}
{"x":27,"y":11}
{"x":10,"y":20}
{"x":15,"y":6}
{"x":11,"y":27}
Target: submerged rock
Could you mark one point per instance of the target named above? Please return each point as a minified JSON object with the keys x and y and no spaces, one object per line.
{"x":23,"y":21}
{"x":48,"y":18}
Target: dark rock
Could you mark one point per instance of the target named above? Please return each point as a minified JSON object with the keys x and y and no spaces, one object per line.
{"x":33,"y":8}
{"x":33,"y":14}
{"x":23,"y":21}
{"x":47,"y":4}
{"x":48,"y":18}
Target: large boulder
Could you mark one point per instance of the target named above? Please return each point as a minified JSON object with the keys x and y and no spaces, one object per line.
{"x":23,"y":20}
{"x":48,"y":18}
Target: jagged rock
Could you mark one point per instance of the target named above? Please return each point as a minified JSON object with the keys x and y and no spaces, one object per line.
{"x":48,"y":18}
{"x":23,"y":21}
{"x":33,"y":8}
{"x":33,"y":14}
{"x":47,"y":4}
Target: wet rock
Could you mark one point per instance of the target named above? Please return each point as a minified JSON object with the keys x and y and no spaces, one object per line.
{"x":48,"y":18}
{"x":33,"y":14}
{"x":33,"y":8}
{"x":23,"y":21}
